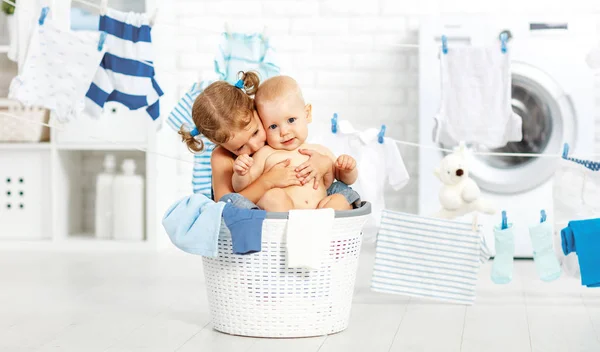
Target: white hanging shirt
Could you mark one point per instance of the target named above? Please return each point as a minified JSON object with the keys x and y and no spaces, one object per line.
{"x":377,"y":163}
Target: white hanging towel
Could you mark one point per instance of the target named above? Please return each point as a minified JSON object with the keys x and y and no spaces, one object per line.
{"x":476,"y":98}
{"x":428,"y":258}
{"x":308,"y":237}
{"x":58,"y":69}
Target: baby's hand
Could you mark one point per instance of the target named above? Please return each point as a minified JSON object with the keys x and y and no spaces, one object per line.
{"x":242,"y":164}
{"x":345,"y":163}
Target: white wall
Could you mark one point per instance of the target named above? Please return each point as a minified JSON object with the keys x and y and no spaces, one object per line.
{"x":342,"y":53}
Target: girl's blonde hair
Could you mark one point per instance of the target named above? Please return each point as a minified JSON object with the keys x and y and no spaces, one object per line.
{"x":221,"y":109}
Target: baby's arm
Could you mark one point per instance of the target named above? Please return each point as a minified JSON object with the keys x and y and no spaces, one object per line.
{"x":247,"y":169}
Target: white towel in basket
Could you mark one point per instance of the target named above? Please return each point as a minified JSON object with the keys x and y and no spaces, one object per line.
{"x":426,"y":257}
{"x":308,"y":236}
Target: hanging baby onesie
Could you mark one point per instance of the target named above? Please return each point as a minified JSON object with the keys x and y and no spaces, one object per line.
{"x":427,"y":257}
{"x":237,"y":52}
{"x":58,"y":69}
{"x":126,"y":73}
{"x":377,"y":163}
{"x":576,"y":196}
{"x":476,"y":99}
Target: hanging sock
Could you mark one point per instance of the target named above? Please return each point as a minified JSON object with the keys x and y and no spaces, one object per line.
{"x":502,"y":268}
{"x":546,"y":262}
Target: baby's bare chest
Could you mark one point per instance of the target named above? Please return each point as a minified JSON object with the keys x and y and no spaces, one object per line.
{"x":295,"y":158}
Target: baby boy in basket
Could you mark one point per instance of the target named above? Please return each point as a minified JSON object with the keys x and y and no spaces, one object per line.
{"x":285,"y":117}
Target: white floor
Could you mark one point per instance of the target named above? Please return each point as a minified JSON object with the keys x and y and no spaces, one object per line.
{"x":157,"y":302}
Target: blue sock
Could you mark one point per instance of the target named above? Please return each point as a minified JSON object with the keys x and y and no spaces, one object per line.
{"x":546,"y":262}
{"x":502,"y":267}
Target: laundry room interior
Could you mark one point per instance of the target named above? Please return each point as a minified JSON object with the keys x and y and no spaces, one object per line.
{"x":446,"y":153}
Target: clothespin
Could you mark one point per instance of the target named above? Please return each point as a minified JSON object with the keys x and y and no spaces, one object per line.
{"x":542,"y":215}
{"x":334,"y":123}
{"x":381,"y":134}
{"x":565,"y":153}
{"x":444,"y":44}
{"x":43,"y":15}
{"x":504,"y":224}
{"x":503,"y":40}
{"x":101,"y":41}
{"x":103,"y":7}
{"x":227,"y":28}
{"x":152,"y":18}
{"x":265,"y":33}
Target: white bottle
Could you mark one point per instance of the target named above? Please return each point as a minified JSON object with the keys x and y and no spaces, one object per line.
{"x":104,"y":193}
{"x":128,"y":204}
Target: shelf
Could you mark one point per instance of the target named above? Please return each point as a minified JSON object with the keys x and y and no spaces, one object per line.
{"x":81,"y":146}
{"x":24,"y":146}
{"x":76,"y":243}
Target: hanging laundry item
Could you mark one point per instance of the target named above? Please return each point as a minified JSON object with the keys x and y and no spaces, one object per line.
{"x":308,"y":237}
{"x":193,"y":224}
{"x":244,"y":52}
{"x":583,"y":237}
{"x":126,"y":73}
{"x":427,"y":257}
{"x":245,"y":226}
{"x":476,"y":98}
{"x":25,"y":17}
{"x":576,"y":196}
{"x":378,"y":163}
{"x":58,"y":69}
{"x":236,"y":52}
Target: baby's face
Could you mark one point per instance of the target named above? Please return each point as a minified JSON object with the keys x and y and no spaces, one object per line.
{"x":286,"y":122}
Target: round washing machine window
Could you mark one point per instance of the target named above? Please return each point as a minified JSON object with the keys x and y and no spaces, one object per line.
{"x":548,"y":120}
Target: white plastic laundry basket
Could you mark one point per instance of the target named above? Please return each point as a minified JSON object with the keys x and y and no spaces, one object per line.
{"x":257,"y":295}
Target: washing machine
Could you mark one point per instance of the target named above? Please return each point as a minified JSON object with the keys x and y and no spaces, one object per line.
{"x":552,"y":91}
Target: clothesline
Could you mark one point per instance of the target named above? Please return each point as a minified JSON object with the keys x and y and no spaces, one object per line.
{"x":411,"y":144}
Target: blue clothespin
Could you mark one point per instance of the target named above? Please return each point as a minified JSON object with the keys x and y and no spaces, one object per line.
{"x":381,"y":134}
{"x":503,"y":39}
{"x":504,"y":225}
{"x":43,"y":15}
{"x":101,"y":41}
{"x":334,"y":123}
{"x":444,"y":44}
{"x":543,"y":215}
{"x":565,"y":153}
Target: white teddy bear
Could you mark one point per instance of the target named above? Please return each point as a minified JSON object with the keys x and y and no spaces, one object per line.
{"x":459,"y":195}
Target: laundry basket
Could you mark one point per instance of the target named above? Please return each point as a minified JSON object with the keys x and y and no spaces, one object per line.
{"x":257,"y":295}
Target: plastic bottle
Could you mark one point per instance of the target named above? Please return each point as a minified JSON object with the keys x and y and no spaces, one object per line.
{"x":104,"y":193}
{"x":128,"y":203}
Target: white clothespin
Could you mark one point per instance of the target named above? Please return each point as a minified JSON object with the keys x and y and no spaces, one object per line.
{"x":265,"y":33}
{"x":103,"y":7}
{"x":152,"y":18}
{"x":227,"y":28}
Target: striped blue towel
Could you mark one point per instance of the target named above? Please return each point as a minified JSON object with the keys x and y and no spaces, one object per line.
{"x":126,"y":73}
{"x":237,"y":52}
{"x":429,"y":258}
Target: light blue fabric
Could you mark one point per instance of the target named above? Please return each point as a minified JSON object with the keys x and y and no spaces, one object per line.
{"x":238,"y":200}
{"x":583,"y":237}
{"x":245,"y":226}
{"x":502,"y":268}
{"x":193,"y":224}
{"x":546,"y":263}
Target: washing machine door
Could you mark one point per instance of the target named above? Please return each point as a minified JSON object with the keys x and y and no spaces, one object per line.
{"x":548,"y":120}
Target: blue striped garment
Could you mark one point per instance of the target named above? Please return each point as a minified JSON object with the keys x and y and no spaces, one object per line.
{"x":428,"y":258}
{"x":126,"y":73}
{"x":237,"y":52}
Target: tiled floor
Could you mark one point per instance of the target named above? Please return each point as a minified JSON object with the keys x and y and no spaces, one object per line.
{"x":147,"y":302}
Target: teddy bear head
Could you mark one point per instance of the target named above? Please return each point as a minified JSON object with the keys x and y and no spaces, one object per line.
{"x":453,"y":168}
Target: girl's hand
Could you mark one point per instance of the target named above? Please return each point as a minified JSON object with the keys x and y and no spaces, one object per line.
{"x":314,"y":168}
{"x":281,"y":175}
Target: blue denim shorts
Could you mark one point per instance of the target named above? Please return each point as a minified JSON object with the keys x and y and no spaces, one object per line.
{"x":351,"y":196}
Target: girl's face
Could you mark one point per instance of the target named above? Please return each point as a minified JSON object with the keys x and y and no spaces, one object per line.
{"x":248,"y":140}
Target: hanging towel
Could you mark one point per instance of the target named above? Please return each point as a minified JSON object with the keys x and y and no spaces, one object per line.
{"x":429,"y":258}
{"x":308,"y":237}
{"x":193,"y":224}
{"x":58,"y":70}
{"x":126,"y":73}
{"x":476,"y":98}
{"x":182,"y":115}
{"x":245,"y":226}
{"x":583,"y":237}
{"x":576,"y":196}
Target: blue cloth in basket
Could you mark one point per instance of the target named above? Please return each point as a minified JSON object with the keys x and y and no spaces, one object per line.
{"x":193,"y":224}
{"x":245,"y":226}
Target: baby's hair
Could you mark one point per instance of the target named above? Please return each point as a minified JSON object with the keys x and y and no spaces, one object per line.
{"x":221,"y":109}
